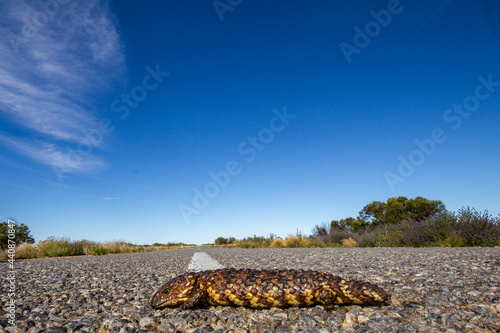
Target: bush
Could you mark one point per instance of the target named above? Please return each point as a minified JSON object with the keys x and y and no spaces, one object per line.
{"x":465,"y":228}
{"x":336,"y":235}
{"x":429,"y":232}
{"x":478,"y":229}
{"x":416,"y":234}
{"x":221,"y":241}
{"x":369,"y":238}
{"x":452,"y":240}
{"x":349,"y":242}
{"x":293,"y":241}
{"x":254,"y":242}
{"x":389,"y":235}
{"x":278,"y":243}
{"x":314,"y":242}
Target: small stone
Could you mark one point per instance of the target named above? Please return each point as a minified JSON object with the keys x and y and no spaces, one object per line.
{"x":127,"y":329}
{"x":165,"y":326}
{"x":474,"y":293}
{"x":349,"y":320}
{"x":240,"y":330}
{"x":332,"y":324}
{"x":283,"y":329}
{"x":14,"y":329}
{"x":479,"y":309}
{"x":236,"y":320}
{"x":57,"y":329}
{"x":147,"y":321}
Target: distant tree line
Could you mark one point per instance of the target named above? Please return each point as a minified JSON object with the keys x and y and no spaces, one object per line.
{"x":393,"y":211}
{"x":225,"y":241}
{"x":170,"y":244}
{"x":387,"y":223}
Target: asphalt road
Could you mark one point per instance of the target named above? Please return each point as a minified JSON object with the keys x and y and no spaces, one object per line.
{"x":433,"y":290}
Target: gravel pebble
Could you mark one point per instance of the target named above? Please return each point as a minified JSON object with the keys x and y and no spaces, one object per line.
{"x":433,"y":290}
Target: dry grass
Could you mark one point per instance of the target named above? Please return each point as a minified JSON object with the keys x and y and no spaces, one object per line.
{"x":119,"y":247}
{"x":27,"y":251}
{"x":64,"y":247}
{"x":60,"y":247}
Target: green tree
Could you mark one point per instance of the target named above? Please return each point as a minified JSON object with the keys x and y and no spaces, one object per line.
{"x":351,"y":224}
{"x":21,"y":232}
{"x":221,"y":241}
{"x":400,"y":208}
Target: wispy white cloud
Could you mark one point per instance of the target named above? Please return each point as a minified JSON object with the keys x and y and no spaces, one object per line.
{"x":49,"y":153}
{"x":111,"y":198}
{"x":50,"y":74}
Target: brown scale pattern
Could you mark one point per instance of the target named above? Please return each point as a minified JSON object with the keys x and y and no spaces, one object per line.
{"x":258,"y":288}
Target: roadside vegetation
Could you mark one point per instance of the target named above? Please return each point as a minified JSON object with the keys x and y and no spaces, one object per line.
{"x":398,"y":222}
{"x":62,"y":247}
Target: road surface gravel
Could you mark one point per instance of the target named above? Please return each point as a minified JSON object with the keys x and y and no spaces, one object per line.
{"x":433,"y":290}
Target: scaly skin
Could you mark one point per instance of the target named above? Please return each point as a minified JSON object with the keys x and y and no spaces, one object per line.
{"x":258,"y":288}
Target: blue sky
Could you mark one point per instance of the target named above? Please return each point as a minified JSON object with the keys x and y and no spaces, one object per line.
{"x":166,"y":121}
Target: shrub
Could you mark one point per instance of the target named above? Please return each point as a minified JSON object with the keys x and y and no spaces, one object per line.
{"x":221,"y":241}
{"x":293,"y":241}
{"x":452,"y":240}
{"x":255,"y":242}
{"x":314,"y":242}
{"x":441,"y":226}
{"x":369,"y":238}
{"x":336,"y":235}
{"x":416,"y":233}
{"x":349,"y":242}
{"x":309,"y":242}
{"x":429,"y":232}
{"x":277,"y":243}
{"x":478,"y":229}
{"x":389,"y":235}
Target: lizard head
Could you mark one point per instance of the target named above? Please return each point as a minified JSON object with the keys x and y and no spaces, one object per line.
{"x":176,"y":292}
